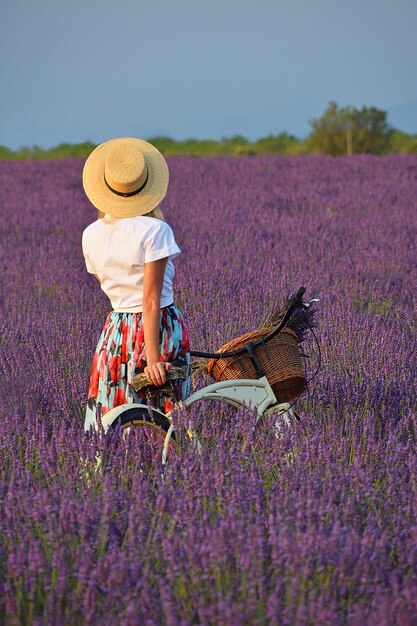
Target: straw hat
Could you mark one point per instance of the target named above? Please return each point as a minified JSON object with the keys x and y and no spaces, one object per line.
{"x":125,"y":177}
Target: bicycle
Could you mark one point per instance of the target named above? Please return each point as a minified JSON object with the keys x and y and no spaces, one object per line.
{"x":254,"y":393}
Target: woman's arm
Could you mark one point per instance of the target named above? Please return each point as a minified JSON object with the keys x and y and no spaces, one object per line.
{"x":152,"y":287}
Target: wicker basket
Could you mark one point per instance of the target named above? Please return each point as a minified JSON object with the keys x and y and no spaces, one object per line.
{"x":280,"y":359}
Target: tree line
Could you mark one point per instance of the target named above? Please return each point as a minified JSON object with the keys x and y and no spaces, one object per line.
{"x":339,"y":131}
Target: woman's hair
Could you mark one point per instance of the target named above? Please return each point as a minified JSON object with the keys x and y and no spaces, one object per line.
{"x":156,"y":213}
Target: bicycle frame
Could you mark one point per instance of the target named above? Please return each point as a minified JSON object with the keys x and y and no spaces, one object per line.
{"x":254,"y":394}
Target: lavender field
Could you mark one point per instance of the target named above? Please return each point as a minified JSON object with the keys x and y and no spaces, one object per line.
{"x":245,"y":533}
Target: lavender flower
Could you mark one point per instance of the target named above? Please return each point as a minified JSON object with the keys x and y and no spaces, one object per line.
{"x":317,"y":527}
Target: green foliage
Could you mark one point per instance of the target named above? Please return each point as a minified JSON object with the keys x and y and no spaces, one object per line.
{"x":402,"y":142}
{"x":399,"y":141}
{"x":411,"y":145}
{"x":329,"y":131}
{"x":237,"y":145}
{"x":5,"y":153}
{"x":62,"y":151}
{"x":276,"y":144}
{"x":346,"y":130}
{"x":337,"y":132}
{"x":370,"y":131}
{"x":66,"y":150}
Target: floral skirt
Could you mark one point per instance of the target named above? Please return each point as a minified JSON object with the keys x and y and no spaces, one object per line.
{"x":120,"y":355}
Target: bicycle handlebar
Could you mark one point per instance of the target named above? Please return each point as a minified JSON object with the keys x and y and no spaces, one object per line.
{"x":295,"y":301}
{"x":297,"y":297}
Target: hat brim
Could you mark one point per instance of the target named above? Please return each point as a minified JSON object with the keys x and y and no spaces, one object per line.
{"x":119,"y":206}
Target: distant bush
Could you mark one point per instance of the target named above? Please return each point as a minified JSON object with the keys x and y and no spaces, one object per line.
{"x":347,"y":130}
{"x":276,"y":144}
{"x":6,"y":153}
{"x":62,"y":151}
{"x":411,"y":145}
{"x":399,"y":141}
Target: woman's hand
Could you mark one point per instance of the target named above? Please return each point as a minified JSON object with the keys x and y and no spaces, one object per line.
{"x":156,"y":372}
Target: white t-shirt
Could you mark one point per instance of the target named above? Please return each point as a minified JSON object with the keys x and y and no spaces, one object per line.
{"x":116,"y":250}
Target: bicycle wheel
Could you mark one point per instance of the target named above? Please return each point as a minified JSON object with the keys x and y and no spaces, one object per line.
{"x":155,"y":426}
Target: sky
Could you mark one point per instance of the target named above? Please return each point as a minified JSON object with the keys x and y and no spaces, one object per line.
{"x":79,"y":70}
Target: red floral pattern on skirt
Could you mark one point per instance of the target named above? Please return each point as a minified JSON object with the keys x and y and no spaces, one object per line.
{"x":120,"y":355}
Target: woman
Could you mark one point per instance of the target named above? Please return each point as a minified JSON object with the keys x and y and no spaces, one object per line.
{"x":130,"y":249}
